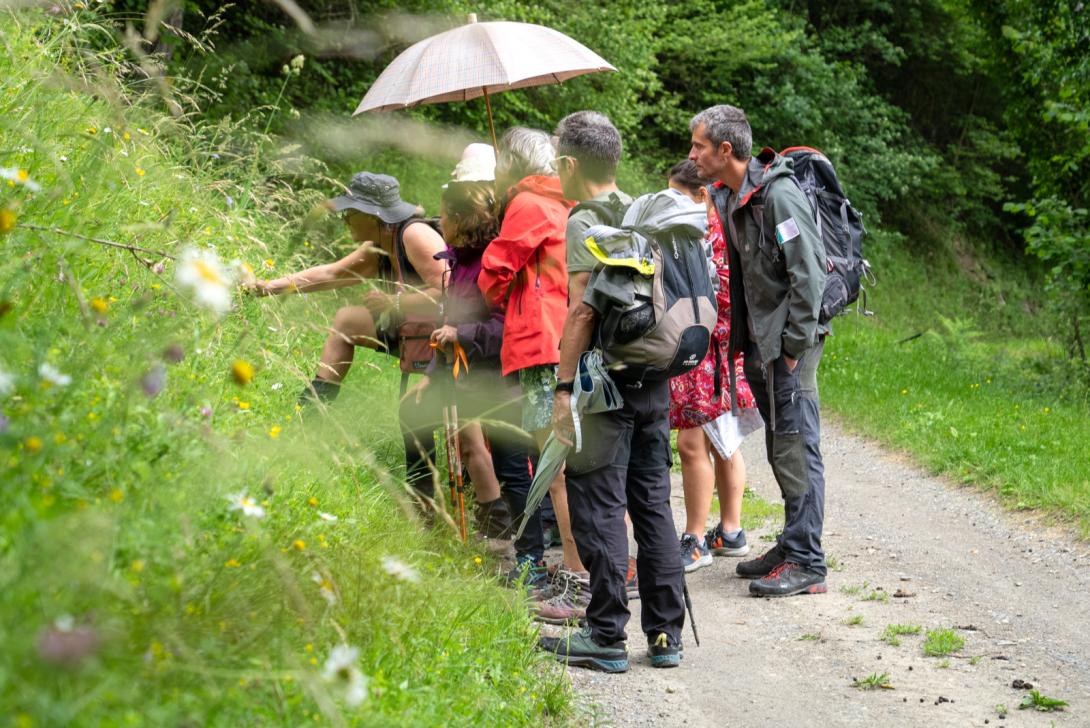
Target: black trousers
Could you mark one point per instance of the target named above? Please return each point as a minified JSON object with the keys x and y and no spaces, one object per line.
{"x":496,"y":403}
{"x":794,"y":449}
{"x":625,"y":464}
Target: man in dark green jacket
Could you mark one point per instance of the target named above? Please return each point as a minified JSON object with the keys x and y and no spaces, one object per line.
{"x":777,"y":277}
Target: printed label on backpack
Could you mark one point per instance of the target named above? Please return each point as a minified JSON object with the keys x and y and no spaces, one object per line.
{"x":787,"y":230}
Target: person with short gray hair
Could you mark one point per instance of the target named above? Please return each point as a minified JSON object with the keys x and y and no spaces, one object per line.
{"x":523,"y":152}
{"x":778,"y":269}
{"x":624,"y":464}
{"x":523,"y":273}
{"x":724,"y":123}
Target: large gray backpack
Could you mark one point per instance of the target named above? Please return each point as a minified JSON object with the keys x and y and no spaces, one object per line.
{"x":653,"y":288}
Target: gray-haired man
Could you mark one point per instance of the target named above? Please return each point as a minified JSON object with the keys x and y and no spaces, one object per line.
{"x":625,"y":459}
{"x":776,"y":248}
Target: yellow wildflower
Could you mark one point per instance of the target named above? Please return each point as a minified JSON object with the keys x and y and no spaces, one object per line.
{"x":126,"y":136}
{"x":242,"y":372}
{"x":99,"y":305}
{"x":117,"y":495}
{"x":137,"y":565}
{"x":92,"y":130}
{"x":7,"y":221}
{"x":244,"y":405}
{"x":299,"y":544}
{"x":312,"y":501}
{"x":232,"y":564}
{"x":274,"y":432}
{"x":140,"y":172}
{"x":33,"y":443}
{"x":477,"y":560}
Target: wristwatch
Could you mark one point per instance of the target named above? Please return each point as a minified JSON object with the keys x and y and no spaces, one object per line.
{"x":568,"y":387}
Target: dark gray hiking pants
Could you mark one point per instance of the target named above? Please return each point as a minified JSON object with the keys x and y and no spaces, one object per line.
{"x":794,"y":449}
{"x":625,"y":463}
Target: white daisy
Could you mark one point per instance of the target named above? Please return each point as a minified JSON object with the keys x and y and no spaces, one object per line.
{"x":54,"y":376}
{"x":327,"y":517}
{"x":209,"y":280}
{"x":246,"y":504}
{"x":19,"y":177}
{"x":341,"y":669}
{"x":398,"y":569}
{"x":7,"y":383}
{"x":325,"y":587}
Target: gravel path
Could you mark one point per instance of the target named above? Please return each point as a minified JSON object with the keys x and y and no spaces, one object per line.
{"x":1014,"y":590}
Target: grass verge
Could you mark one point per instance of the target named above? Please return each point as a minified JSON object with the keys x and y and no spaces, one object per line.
{"x":955,"y":369}
{"x":180,"y":543}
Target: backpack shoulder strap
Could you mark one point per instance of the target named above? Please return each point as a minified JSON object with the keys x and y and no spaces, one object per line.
{"x":610,"y":211}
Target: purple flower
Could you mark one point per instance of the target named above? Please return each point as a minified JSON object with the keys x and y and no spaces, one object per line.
{"x":154,"y":380}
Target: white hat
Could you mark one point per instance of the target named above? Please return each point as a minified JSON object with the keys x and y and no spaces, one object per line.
{"x":478,"y":164}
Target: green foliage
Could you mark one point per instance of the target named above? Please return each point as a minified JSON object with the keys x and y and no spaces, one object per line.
{"x":893,"y":632}
{"x":1041,"y":703}
{"x":942,"y":642}
{"x":874,"y":681}
{"x":132,"y":589}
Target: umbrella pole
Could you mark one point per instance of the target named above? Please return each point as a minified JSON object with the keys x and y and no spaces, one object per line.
{"x":491,"y":126}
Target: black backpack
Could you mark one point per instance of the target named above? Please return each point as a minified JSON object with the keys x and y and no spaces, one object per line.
{"x":667,"y":329}
{"x":840,"y":226}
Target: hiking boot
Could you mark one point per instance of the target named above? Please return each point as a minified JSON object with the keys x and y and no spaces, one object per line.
{"x":494,"y":519}
{"x":527,"y":571}
{"x":762,"y":565}
{"x":722,"y":545}
{"x":319,"y":390}
{"x":551,"y":534}
{"x":566,"y":604}
{"x":787,"y":579}
{"x":580,"y":649}
{"x":631,"y":580}
{"x":663,"y":651}
{"x":694,"y":553}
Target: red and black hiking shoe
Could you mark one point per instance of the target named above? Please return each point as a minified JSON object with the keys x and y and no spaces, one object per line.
{"x":788,"y":579}
{"x":762,"y":565}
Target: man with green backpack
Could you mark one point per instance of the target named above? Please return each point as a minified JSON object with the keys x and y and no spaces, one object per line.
{"x":778,"y":276}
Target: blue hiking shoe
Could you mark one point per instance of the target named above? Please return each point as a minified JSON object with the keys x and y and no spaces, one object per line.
{"x":580,"y":649}
{"x":529,"y":572}
{"x":722,"y":545}
{"x":694,"y":554}
{"x":663,"y":651}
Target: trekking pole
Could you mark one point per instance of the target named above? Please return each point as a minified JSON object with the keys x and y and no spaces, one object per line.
{"x":689,"y":606}
{"x":458,"y":463}
{"x":448,"y":439}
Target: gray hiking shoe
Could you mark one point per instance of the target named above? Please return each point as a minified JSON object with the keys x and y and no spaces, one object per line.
{"x":722,"y":545}
{"x":694,"y":554}
{"x":580,"y":649}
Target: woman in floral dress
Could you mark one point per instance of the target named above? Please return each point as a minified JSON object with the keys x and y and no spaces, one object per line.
{"x":708,"y":433}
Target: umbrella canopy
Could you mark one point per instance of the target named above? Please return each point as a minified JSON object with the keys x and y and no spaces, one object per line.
{"x":477,"y":59}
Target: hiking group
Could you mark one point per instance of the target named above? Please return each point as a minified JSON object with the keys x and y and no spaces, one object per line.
{"x":548,"y":308}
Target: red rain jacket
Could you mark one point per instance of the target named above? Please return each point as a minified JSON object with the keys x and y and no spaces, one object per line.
{"x":524,"y":267}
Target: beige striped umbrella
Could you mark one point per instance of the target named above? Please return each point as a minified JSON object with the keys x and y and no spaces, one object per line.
{"x":478,"y":59}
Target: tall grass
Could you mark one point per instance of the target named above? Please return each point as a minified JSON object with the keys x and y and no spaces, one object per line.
{"x":130,"y":592}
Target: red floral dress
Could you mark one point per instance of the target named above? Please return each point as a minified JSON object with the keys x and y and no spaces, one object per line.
{"x":695,"y":399}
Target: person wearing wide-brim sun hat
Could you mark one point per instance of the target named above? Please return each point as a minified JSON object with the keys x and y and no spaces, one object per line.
{"x":398,"y":252}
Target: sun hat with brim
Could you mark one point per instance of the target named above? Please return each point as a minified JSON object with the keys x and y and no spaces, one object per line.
{"x":375,"y":194}
{"x":478,"y":164}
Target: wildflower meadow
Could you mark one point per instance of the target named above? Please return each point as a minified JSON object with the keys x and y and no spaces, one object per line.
{"x":180,"y":542}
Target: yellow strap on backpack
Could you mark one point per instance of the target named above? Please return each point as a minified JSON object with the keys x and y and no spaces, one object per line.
{"x":643,"y":266}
